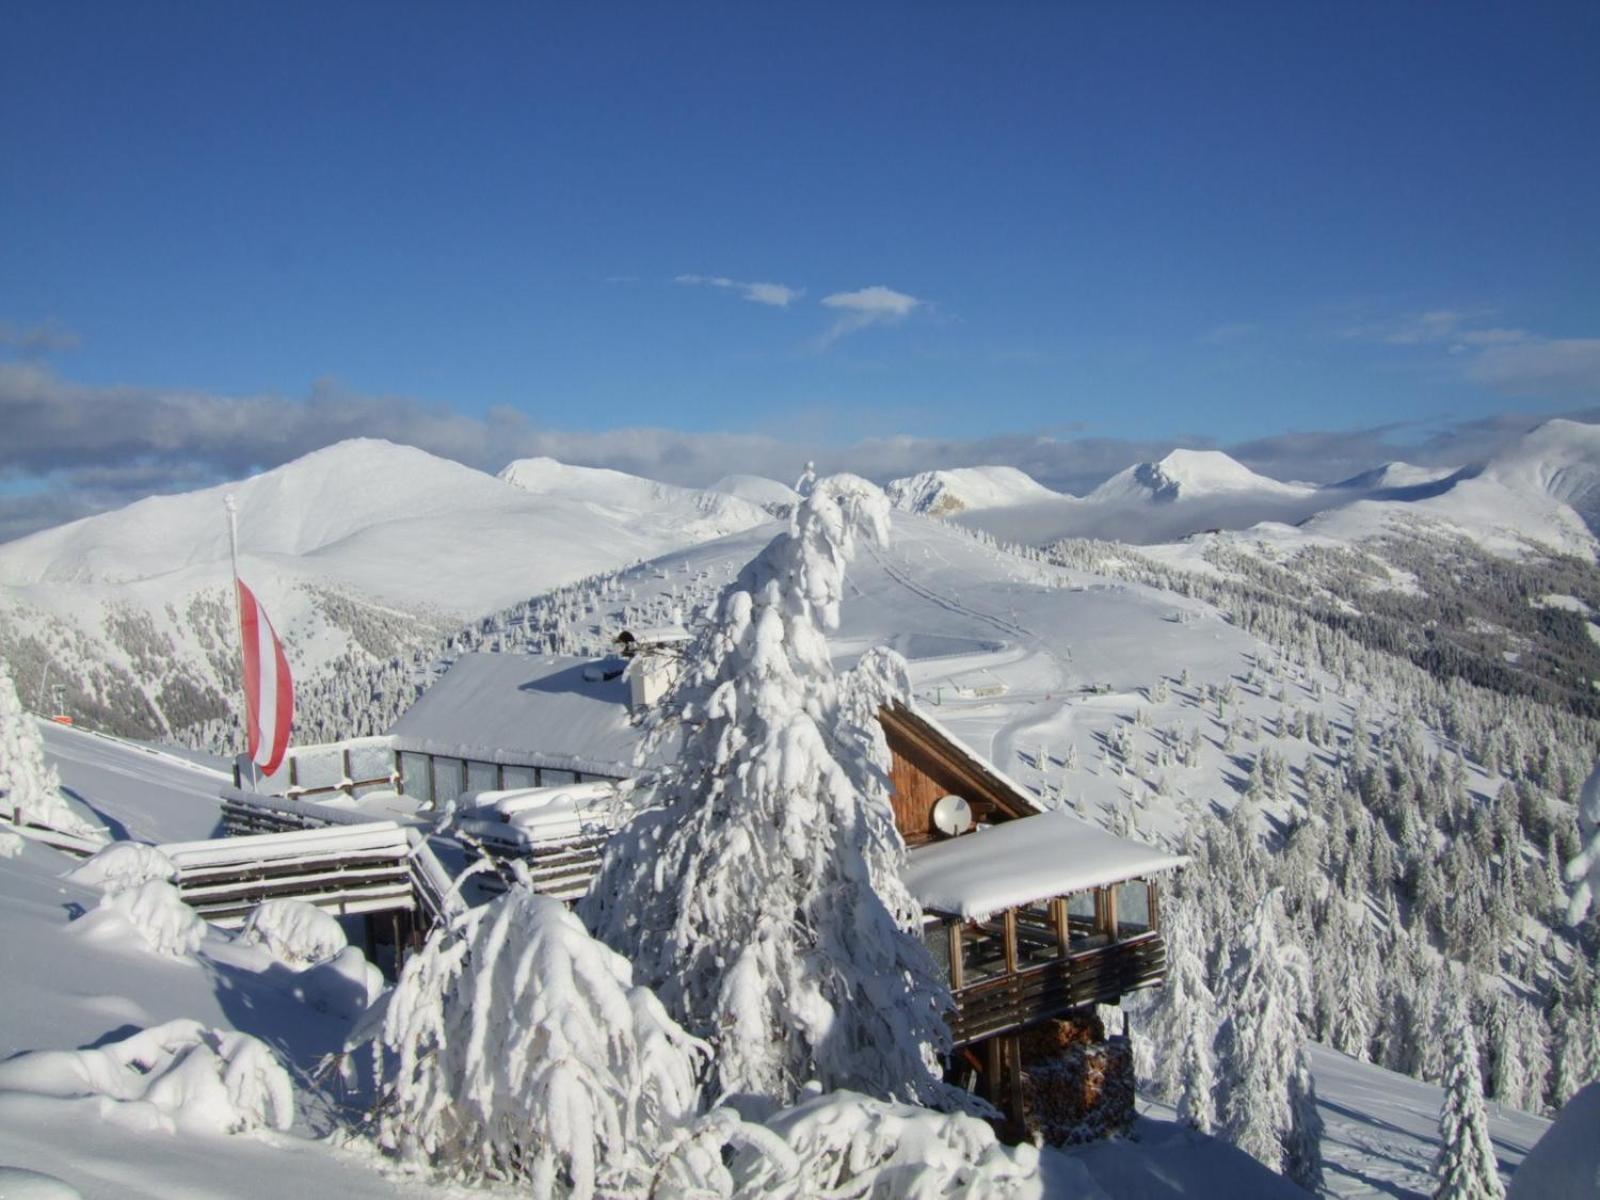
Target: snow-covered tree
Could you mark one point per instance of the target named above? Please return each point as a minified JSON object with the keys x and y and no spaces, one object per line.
{"x":30,"y":791}
{"x":522,"y":1050}
{"x":1182,"y":1026}
{"x":1465,"y":1168}
{"x":1265,"y":1075}
{"x":759,"y":892}
{"x":1583,"y":871}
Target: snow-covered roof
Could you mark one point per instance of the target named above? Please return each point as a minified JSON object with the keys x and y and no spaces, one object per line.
{"x":545,"y":708}
{"x":1019,"y":861}
{"x":655,"y":635}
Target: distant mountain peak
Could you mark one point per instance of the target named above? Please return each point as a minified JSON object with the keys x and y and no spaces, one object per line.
{"x":959,"y":489}
{"x":1187,"y":475}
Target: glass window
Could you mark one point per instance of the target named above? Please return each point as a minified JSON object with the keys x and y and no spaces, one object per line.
{"x":414,"y":769}
{"x":448,"y":779}
{"x":481,"y":777}
{"x":519,"y":777}
{"x":371,"y":762}
{"x":554,"y":778}
{"x":322,"y":767}
{"x":936,"y":937}
{"x":1081,"y":921}
{"x":1133,"y":908}
{"x":983,"y":951}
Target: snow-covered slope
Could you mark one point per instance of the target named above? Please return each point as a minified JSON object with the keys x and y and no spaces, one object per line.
{"x":757,"y":489}
{"x":1561,"y":460}
{"x":364,"y":546}
{"x":962,"y":489}
{"x":693,"y":514}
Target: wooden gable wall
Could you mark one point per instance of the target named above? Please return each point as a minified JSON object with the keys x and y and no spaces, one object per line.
{"x":926,"y":766}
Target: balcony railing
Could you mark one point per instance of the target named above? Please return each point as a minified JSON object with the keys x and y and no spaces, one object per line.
{"x":1029,"y":995}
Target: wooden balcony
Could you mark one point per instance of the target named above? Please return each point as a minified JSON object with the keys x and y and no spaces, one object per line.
{"x":1035,"y":961}
{"x":1015,"y":999}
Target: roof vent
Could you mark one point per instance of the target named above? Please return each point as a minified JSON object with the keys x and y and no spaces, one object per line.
{"x":952,"y":816}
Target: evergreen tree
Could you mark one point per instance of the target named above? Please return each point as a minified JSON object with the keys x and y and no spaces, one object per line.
{"x":30,"y":790}
{"x":1465,"y":1168}
{"x":1583,"y":872}
{"x":759,"y":890}
{"x":1182,"y":1027}
{"x":1262,"y":1046}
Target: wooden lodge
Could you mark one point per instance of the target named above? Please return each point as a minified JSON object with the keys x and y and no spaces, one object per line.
{"x":1034,"y":917}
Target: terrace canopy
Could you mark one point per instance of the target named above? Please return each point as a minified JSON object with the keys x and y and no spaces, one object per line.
{"x":1022,"y":861}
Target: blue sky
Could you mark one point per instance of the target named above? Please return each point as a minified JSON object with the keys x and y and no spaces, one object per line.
{"x":1130,"y":224}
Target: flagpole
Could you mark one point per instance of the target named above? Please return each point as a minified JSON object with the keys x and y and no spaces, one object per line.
{"x":238,"y":623}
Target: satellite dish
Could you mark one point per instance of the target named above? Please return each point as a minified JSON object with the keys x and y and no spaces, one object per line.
{"x":952,"y":816}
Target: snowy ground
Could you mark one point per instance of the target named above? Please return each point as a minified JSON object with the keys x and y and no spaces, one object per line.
{"x":66,"y":986}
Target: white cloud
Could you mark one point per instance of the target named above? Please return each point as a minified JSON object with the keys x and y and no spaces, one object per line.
{"x":777,"y":295}
{"x":1532,"y":366}
{"x":35,"y":341}
{"x":876,"y":305}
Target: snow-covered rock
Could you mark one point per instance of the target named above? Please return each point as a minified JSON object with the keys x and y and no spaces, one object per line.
{"x":176,"y":1076}
{"x":297,"y":934}
{"x":124,"y":866}
{"x":152,"y":915}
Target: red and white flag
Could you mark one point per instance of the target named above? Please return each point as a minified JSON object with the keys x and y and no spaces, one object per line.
{"x":268,"y":686}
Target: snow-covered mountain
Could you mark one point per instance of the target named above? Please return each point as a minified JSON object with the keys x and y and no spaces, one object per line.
{"x":964,"y":489}
{"x":1543,"y":490}
{"x":676,"y":514}
{"x":364,"y":547}
{"x":757,"y":489}
{"x":1190,"y":476}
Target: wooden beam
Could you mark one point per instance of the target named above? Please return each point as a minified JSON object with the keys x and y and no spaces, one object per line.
{"x":1011,"y":941}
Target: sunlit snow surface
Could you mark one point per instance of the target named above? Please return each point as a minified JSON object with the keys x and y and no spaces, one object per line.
{"x":1030,"y":665}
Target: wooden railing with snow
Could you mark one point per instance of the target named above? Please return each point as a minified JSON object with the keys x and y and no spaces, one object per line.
{"x":1017,"y":999}
{"x":373,"y":867}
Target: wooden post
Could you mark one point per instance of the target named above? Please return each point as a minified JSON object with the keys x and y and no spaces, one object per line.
{"x":958,"y":974}
{"x":1011,"y":941}
{"x":992,"y":1068}
{"x":1063,"y":923}
{"x":500,"y":777}
{"x":1014,"y":1071}
{"x":344,"y":757}
{"x":433,"y":783}
{"x":1155,"y":906}
{"x":294,"y":772}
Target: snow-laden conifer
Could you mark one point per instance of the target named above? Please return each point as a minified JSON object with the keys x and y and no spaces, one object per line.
{"x":760,"y":891}
{"x":522,"y":1050}
{"x":1465,"y":1168}
{"x":30,"y":791}
{"x":1583,"y":871}
{"x":1261,"y":1046}
{"x":1183,"y":1025}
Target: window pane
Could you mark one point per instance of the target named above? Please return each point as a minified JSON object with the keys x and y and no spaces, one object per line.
{"x":1133,"y":909}
{"x":519,"y":777}
{"x":554,"y":778}
{"x":415,"y":769}
{"x":983,"y":951}
{"x":447,"y":780}
{"x":936,"y":936}
{"x":370,"y":762}
{"x":481,"y":777}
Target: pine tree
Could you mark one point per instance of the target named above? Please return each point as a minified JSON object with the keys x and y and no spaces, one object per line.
{"x":759,"y":889}
{"x":30,"y":790}
{"x":1261,"y":1046}
{"x":1465,"y":1168}
{"x":1182,"y":1026}
{"x":1583,"y":872}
